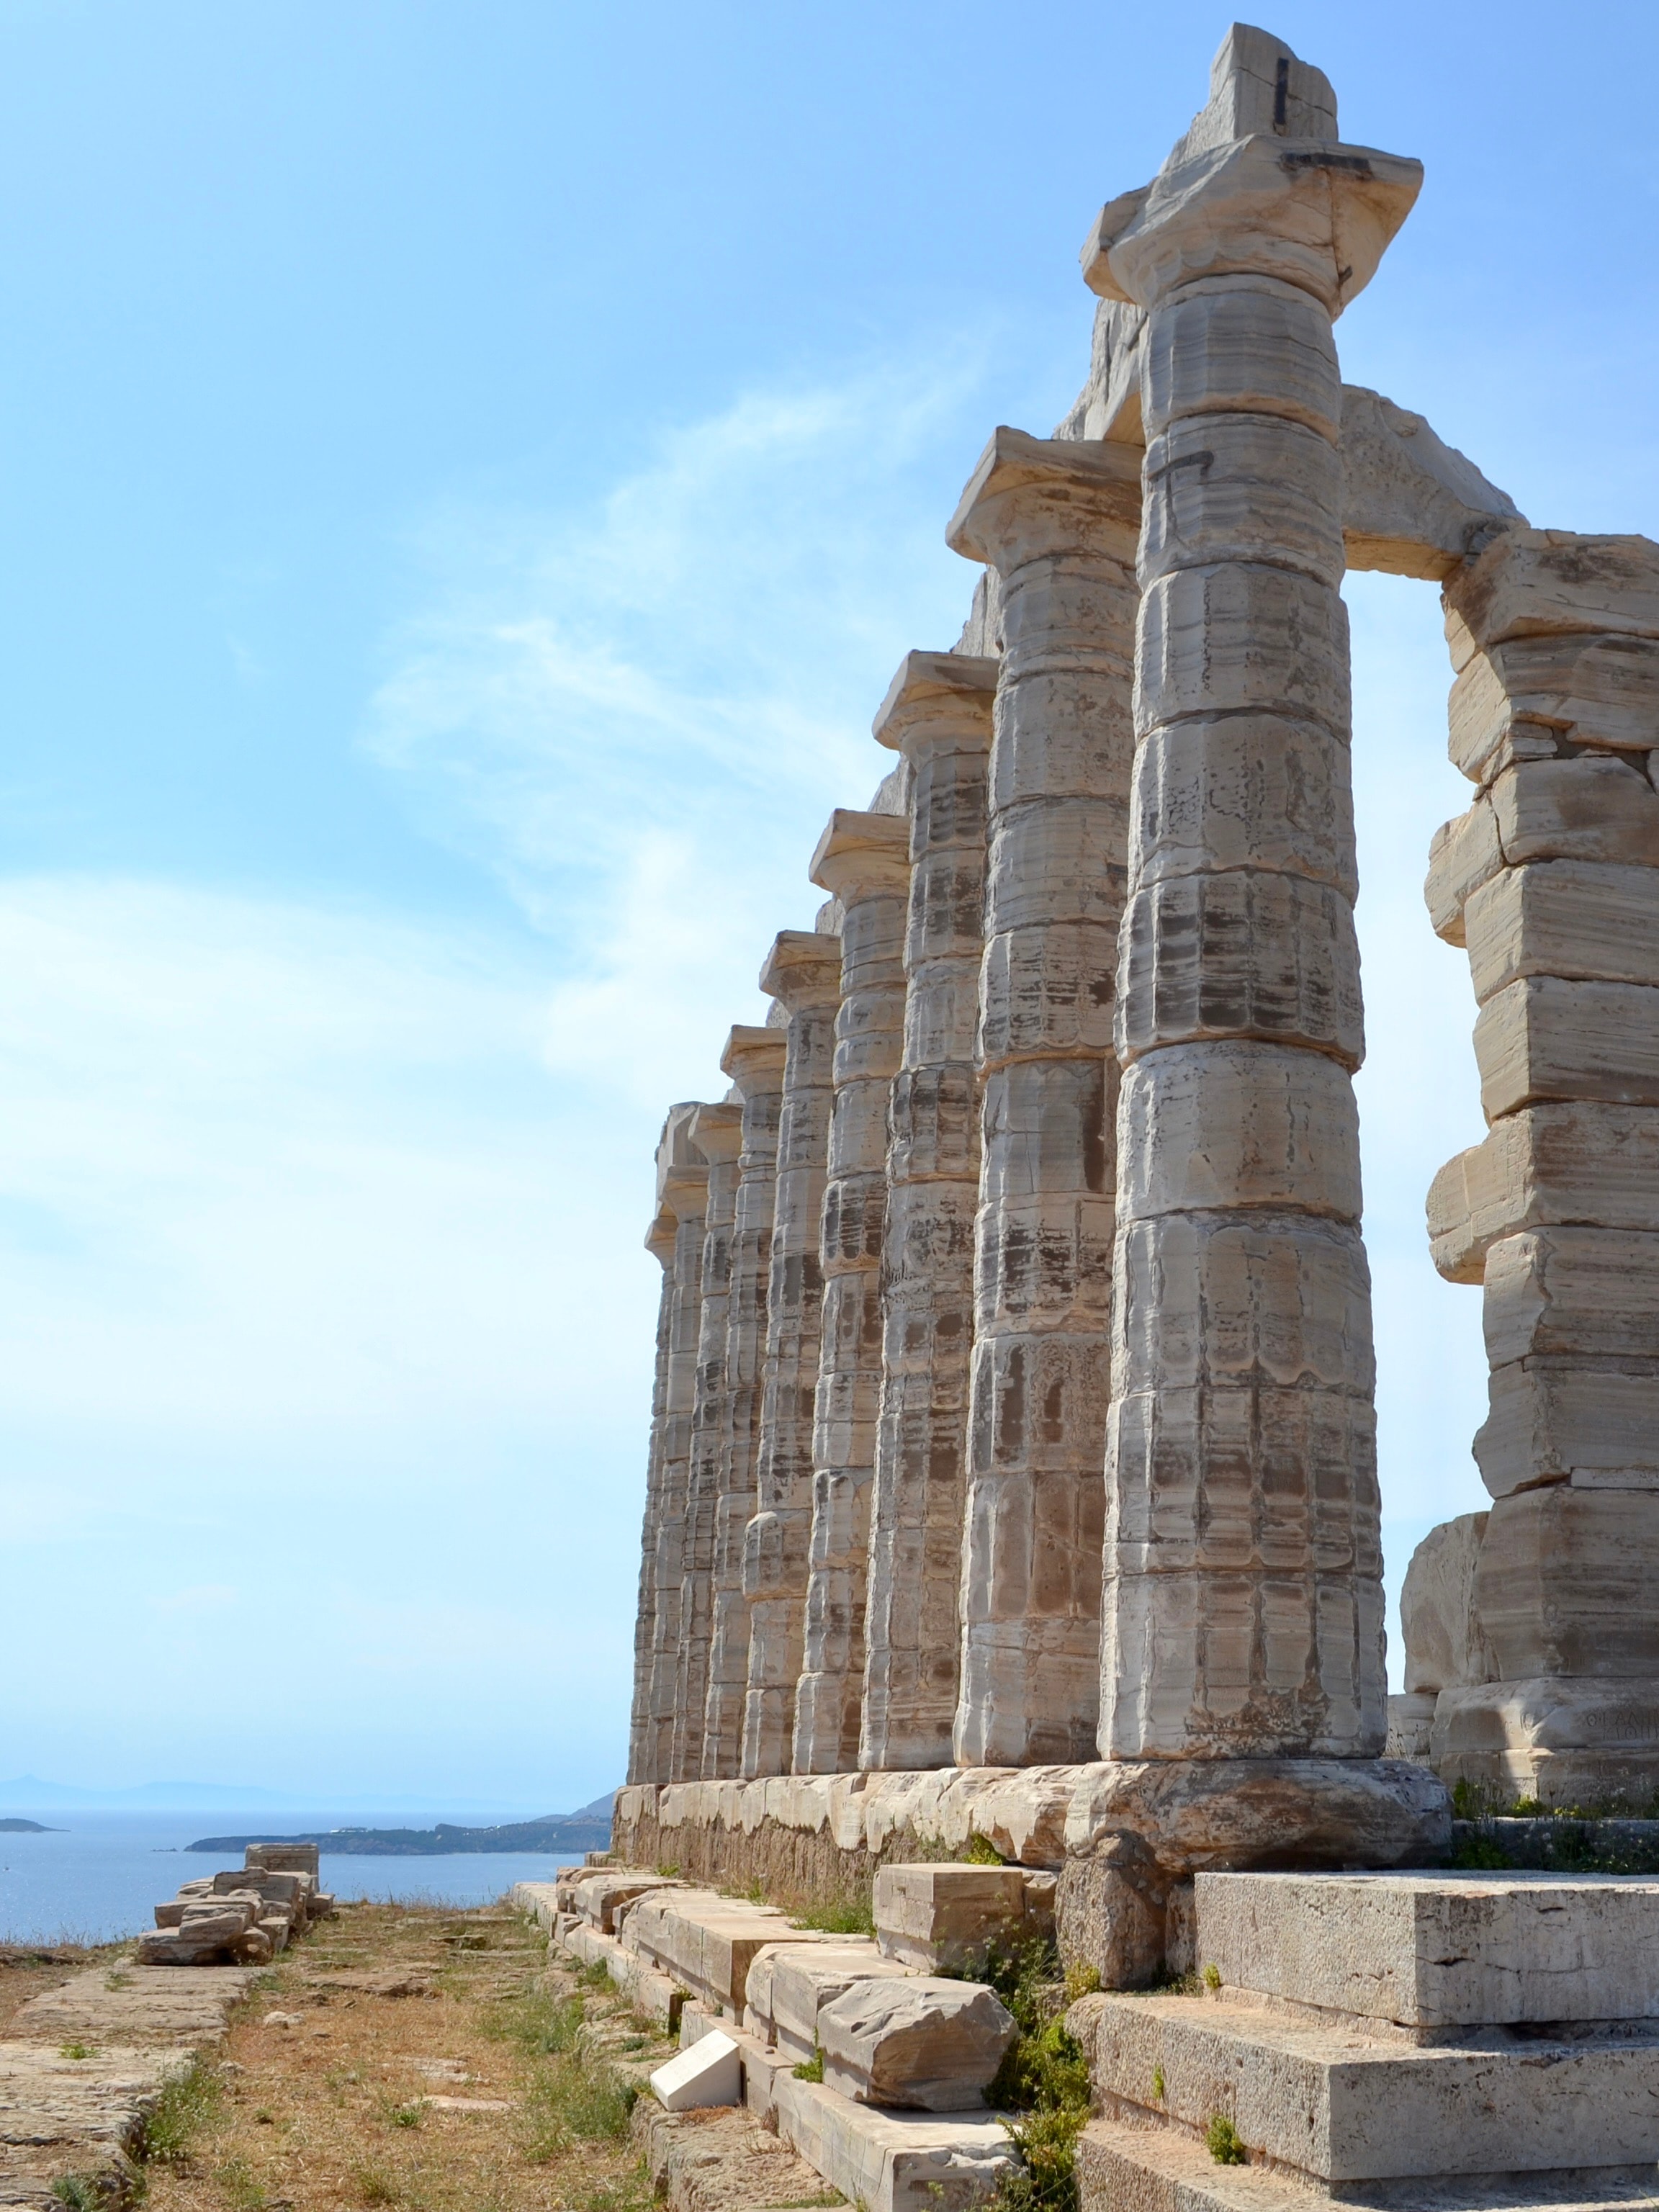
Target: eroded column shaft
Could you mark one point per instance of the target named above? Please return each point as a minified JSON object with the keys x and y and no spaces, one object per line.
{"x":660,"y":1243}
{"x":803,"y":973}
{"x":863,"y":859}
{"x":683,"y":1184}
{"x":938,"y":714}
{"x":754,"y":1059}
{"x":1058,"y":521}
{"x":717,"y":1132}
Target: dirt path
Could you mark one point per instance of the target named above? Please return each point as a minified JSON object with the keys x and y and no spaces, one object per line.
{"x":420,"y":2057}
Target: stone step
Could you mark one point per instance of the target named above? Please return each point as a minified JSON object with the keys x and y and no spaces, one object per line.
{"x":1134,"y":2169}
{"x":706,"y":1943}
{"x":1441,"y":1949}
{"x":790,"y":1984}
{"x":1341,"y":2105}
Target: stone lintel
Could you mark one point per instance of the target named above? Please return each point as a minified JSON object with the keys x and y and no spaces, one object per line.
{"x":803,"y":968}
{"x":1413,"y":506}
{"x":1021,"y":483}
{"x":862,"y":855}
{"x":717,"y":1131}
{"x":938,"y":699}
{"x":753,"y":1056}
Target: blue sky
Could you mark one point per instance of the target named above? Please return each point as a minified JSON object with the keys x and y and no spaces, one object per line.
{"x":467,"y":475}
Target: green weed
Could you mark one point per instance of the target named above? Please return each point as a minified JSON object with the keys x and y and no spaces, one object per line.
{"x":538,"y":2020}
{"x":1212,"y":1978}
{"x":188,"y":2103}
{"x":982,"y":1851}
{"x":1223,"y":2141}
{"x":1157,"y":2085}
{"x":573,"y":2099}
{"x":76,"y":2050}
{"x":242,"y":2192}
{"x":812,"y":2069}
{"x":375,"y":2186}
{"x":81,"y":2192}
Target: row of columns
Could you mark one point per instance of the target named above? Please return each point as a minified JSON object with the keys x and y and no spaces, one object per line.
{"x":1064,"y":1432}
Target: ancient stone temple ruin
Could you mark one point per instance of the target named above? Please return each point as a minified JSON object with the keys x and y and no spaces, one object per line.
{"x":1013,"y":1473}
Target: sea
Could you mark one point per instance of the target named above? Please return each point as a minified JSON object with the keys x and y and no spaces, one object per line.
{"x":97,"y":1876}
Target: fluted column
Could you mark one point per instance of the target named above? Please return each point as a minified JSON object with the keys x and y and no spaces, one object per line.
{"x":754,"y":1059}
{"x":803,"y":973}
{"x":717,"y":1132}
{"x":1057,"y":520}
{"x":938,"y":716}
{"x":1244,"y":1603}
{"x":683,"y":1193}
{"x":660,"y":1243}
{"x":864,"y":860}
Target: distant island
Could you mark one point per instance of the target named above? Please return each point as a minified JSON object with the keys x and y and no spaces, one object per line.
{"x":588,"y":1829}
{"x":35,"y":1828}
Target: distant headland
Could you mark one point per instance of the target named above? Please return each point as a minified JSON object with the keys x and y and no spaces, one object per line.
{"x":587,"y":1829}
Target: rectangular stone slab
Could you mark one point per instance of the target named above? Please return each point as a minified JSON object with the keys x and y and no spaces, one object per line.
{"x":928,"y":1916}
{"x":1543,"y":1038}
{"x":1438,"y":1949}
{"x":707,"y":1941}
{"x":894,"y":2162}
{"x":1315,"y":2096}
{"x":1585,"y":920}
{"x":1138,"y":2169}
{"x":789,"y":1983}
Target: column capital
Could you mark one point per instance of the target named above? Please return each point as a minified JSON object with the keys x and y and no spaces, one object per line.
{"x":717,"y":1132}
{"x":863,"y":856}
{"x":1259,"y":186}
{"x":682,"y":1170}
{"x":659,"y":1237}
{"x":1029,"y":496}
{"x":753,"y":1057}
{"x":803,"y":970}
{"x":937,"y":701}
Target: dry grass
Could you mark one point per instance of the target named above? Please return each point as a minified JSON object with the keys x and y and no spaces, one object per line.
{"x":328,"y":2113}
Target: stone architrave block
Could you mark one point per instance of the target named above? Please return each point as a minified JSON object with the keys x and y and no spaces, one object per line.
{"x":1215,"y":1298}
{"x":1542,"y":1038}
{"x":1578,"y":919}
{"x":1552,"y":1421}
{"x":1217,"y":484}
{"x":1568,"y":1582}
{"x":1542,"y":583}
{"x":1463,"y":854}
{"x":1590,"y":1292}
{"x":1438,"y":1950}
{"x":284,"y":1858}
{"x":1242,"y":637}
{"x":1237,"y":1125}
{"x":1315,"y":2099}
{"x":1250,"y":349}
{"x":1591,"y":808}
{"x":709,"y":2073}
{"x":931,"y":1917}
{"x":1560,"y":1164}
{"x":1411,"y":505}
{"x":916,"y":2042}
{"x":1445,"y":1645}
{"x":1245,"y":953}
{"x":1239,"y":791}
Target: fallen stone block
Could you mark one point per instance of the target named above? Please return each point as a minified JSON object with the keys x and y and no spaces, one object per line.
{"x":284,"y":1858}
{"x":932,"y":1915}
{"x":1440,"y":1949}
{"x":709,"y":2073}
{"x":894,"y":2162}
{"x":921,"y":2041}
{"x":789,"y":1984}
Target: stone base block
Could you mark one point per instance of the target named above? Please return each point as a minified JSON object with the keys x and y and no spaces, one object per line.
{"x":707,"y":1941}
{"x":1566,"y":1741}
{"x":790,"y":1984}
{"x":1438,"y":1951}
{"x":1138,"y":1831}
{"x":936,"y":1918}
{"x":919,"y":2041}
{"x":1137,"y":2169}
{"x":1314,"y":2096}
{"x":894,"y":2162}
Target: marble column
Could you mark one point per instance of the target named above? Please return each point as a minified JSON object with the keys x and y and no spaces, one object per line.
{"x":1551,"y":880}
{"x":1057,"y":519}
{"x":682,"y":1194}
{"x":754,"y":1059}
{"x":660,"y":1243}
{"x":1243,"y":1602}
{"x":938,"y":714}
{"x":803,"y":974}
{"x":717,"y":1132}
{"x":863,"y":861}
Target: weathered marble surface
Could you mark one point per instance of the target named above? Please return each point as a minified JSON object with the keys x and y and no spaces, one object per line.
{"x":681,"y":1194}
{"x":1057,"y":522}
{"x":803,"y":973}
{"x":1243,"y":1610}
{"x":864,"y":860}
{"x":754,"y":1059}
{"x":938,"y":716}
